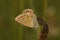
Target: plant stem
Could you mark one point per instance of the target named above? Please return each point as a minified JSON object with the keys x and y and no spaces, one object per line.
{"x":45,"y":8}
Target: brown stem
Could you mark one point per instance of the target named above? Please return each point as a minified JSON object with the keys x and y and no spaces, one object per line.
{"x":44,"y":31}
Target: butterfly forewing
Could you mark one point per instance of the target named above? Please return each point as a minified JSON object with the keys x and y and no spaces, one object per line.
{"x":27,"y":18}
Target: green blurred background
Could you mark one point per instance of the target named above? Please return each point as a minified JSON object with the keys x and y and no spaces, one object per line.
{"x":11,"y":30}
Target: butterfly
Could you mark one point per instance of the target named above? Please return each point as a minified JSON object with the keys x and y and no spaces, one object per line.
{"x":27,"y":18}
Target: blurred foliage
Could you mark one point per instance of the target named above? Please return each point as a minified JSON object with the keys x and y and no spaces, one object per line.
{"x":11,"y":30}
